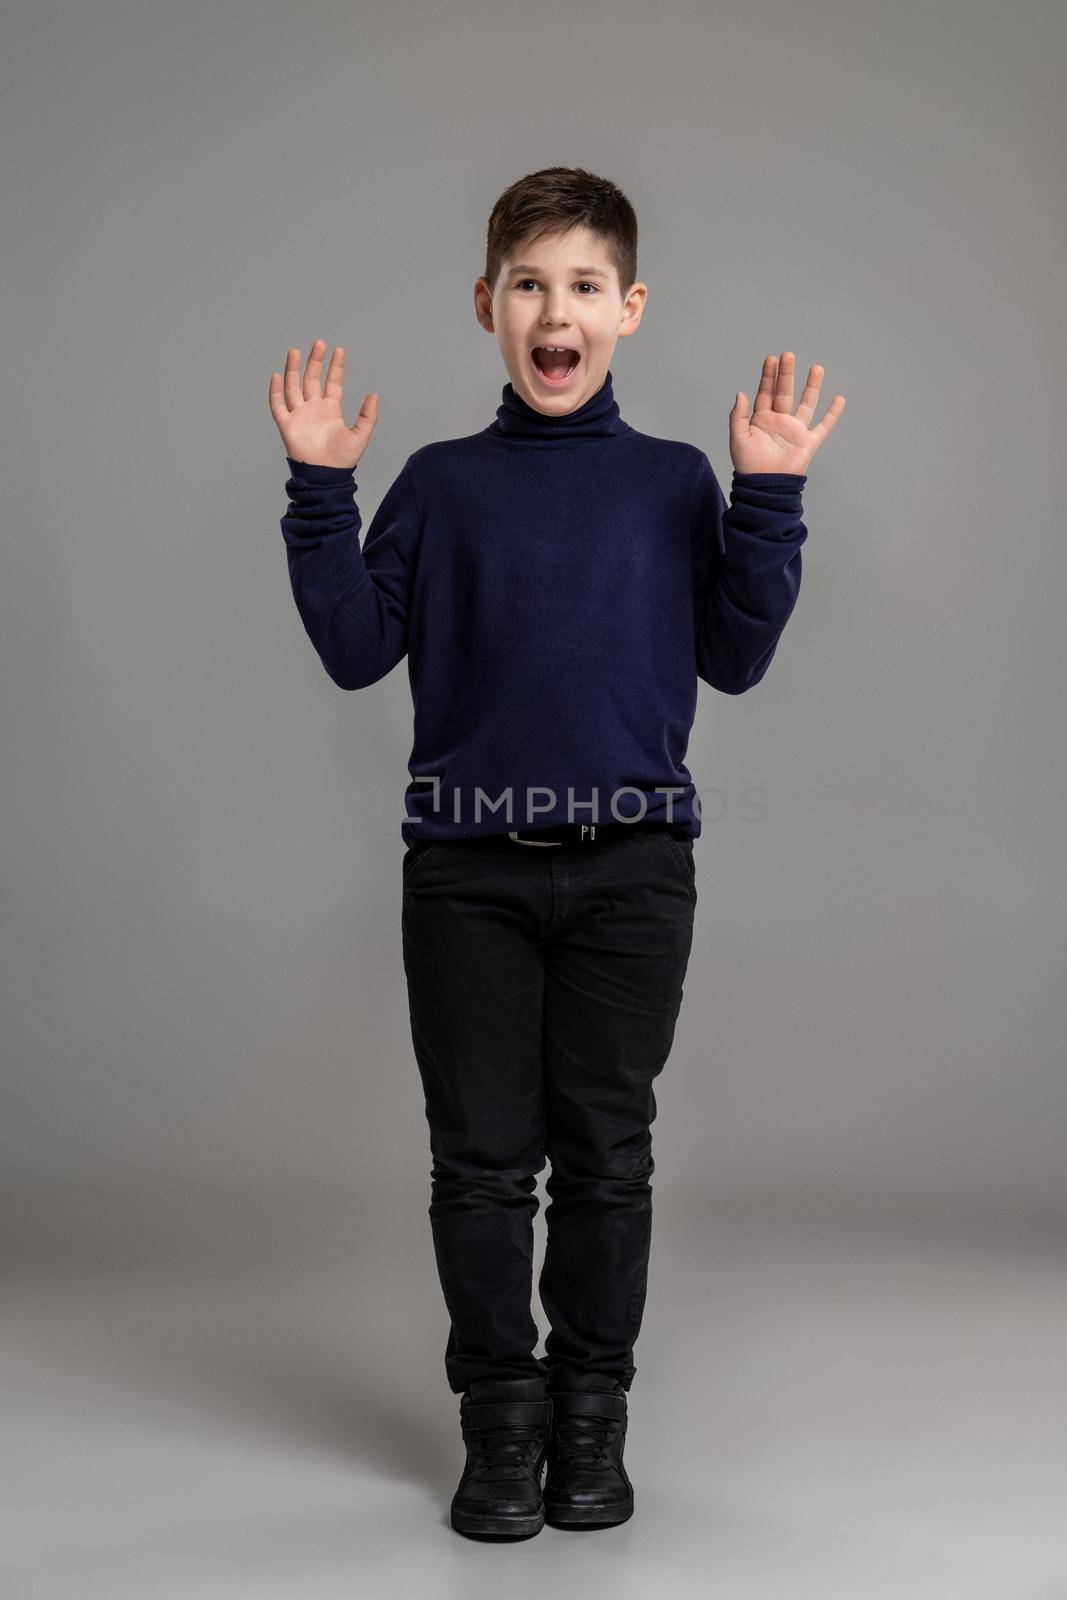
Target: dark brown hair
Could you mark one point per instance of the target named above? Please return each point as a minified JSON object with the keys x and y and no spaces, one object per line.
{"x":555,"y":200}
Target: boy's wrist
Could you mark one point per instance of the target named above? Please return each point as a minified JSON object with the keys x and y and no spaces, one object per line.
{"x":316,"y":472}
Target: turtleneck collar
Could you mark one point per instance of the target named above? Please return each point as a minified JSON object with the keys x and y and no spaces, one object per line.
{"x":598,"y":418}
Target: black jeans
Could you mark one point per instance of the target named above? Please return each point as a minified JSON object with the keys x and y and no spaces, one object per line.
{"x":544,"y":985}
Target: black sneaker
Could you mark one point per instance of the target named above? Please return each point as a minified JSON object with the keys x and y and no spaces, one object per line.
{"x":506,"y":1424}
{"x":586,"y":1484}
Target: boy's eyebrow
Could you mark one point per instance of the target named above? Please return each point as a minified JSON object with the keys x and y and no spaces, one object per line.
{"x":582,"y":272}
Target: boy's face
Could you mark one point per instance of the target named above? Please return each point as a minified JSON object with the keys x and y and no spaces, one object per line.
{"x":561,"y":290}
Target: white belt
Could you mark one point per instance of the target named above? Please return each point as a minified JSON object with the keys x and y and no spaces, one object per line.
{"x":589,"y":828}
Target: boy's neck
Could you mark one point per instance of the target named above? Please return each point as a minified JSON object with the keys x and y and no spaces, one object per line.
{"x":598,"y":418}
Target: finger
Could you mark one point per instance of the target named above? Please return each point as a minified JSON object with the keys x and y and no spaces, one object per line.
{"x":313,"y":370}
{"x":806,"y":409}
{"x":335,"y":376}
{"x":739,"y":418}
{"x":765,"y":392}
{"x":367,"y":417}
{"x":783,"y":389}
{"x":833,"y":411}
{"x":278,"y":408}
{"x":291,"y":384}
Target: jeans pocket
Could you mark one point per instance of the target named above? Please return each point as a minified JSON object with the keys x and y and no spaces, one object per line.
{"x":682,"y":851}
{"x":417,"y":856}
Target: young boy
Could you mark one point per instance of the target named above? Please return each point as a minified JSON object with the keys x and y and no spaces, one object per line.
{"x":558,"y":581}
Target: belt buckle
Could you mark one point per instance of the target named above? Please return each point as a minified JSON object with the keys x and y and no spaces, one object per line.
{"x":546,"y":842}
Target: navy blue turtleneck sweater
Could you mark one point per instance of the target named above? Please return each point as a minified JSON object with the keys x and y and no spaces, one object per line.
{"x":558,"y":585}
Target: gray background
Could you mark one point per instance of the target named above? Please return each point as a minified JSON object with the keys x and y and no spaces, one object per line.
{"x":208,"y":1061}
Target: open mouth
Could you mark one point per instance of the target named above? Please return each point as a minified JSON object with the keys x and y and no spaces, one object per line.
{"x":555,"y":367}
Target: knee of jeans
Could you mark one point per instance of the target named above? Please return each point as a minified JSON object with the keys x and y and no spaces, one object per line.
{"x":646,"y":1165}
{"x":479,"y":1167}
{"x":622,"y":1164}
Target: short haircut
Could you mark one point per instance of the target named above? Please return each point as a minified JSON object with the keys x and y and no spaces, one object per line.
{"x":553,"y":201}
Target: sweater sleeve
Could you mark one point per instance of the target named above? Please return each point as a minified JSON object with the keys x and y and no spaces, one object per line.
{"x":746,"y":572}
{"x":353,"y":602}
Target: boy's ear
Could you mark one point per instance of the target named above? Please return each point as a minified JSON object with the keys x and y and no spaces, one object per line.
{"x":633,"y":309}
{"x":483,"y":304}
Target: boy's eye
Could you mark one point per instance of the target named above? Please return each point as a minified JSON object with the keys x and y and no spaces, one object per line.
{"x":584,"y":284}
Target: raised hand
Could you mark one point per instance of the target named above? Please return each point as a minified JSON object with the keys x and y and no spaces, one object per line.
{"x":310,"y":420}
{"x":774,"y":437}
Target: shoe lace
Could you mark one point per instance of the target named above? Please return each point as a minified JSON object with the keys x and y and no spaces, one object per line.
{"x":505,"y":1446}
{"x":584,"y":1441}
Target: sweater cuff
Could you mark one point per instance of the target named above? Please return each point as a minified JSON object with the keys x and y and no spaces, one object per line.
{"x":772,"y":480}
{"x":310,"y":472}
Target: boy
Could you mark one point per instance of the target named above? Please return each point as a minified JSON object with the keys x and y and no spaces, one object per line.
{"x":558,"y":581}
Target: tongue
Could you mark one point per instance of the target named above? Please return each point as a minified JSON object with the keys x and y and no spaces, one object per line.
{"x":556,"y":362}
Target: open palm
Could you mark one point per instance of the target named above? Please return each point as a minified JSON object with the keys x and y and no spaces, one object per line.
{"x":773,"y":437}
{"x":310,"y":419}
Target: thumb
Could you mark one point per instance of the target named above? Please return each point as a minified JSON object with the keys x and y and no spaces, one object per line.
{"x":739,"y":415}
{"x":368,"y":416}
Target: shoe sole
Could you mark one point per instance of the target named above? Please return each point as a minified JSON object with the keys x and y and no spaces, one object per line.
{"x":471,"y":1523}
{"x":603,"y":1516}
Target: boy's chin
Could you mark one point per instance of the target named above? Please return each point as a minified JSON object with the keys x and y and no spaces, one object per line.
{"x":551,"y":398}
